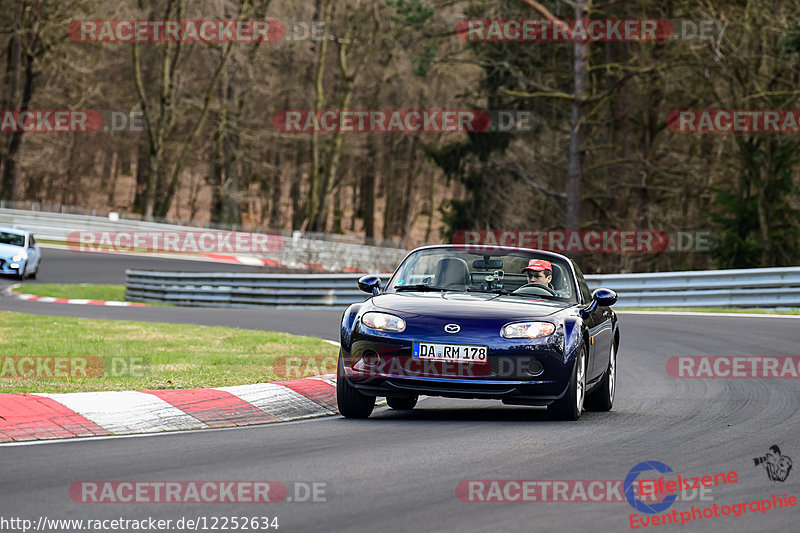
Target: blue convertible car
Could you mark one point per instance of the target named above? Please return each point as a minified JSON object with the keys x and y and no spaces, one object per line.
{"x":462,"y":321}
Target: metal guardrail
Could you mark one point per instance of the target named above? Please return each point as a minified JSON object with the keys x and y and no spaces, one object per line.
{"x":297,"y":250}
{"x":763,"y":287}
{"x":756,"y":287}
{"x":243,"y":290}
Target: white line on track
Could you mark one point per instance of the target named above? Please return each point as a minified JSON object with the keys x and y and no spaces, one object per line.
{"x":158,"y":434}
{"x":718,"y":315}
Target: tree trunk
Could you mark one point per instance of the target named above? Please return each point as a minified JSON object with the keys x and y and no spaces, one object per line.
{"x":299,"y":209}
{"x":333,"y":152}
{"x":389,"y":187}
{"x":142,"y":175}
{"x":338,"y":210}
{"x":409,"y":211}
{"x":431,"y":208}
{"x":312,"y":205}
{"x":275,"y":203}
{"x":227,"y":209}
{"x":19,"y":64}
{"x":367,"y":194}
{"x":112,"y":186}
{"x":574,"y":167}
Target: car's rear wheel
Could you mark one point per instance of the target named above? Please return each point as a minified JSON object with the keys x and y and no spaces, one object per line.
{"x":569,"y":406}
{"x":352,"y":404}
{"x":402,"y":403}
{"x":603,"y":398}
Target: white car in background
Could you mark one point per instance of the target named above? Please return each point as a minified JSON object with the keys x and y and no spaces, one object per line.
{"x":19,"y":253}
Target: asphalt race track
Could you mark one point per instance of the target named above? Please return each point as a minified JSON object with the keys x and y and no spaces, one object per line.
{"x":398,"y":472}
{"x":63,"y":266}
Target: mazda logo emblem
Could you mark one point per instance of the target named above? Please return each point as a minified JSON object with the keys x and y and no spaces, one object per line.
{"x":452,"y":328}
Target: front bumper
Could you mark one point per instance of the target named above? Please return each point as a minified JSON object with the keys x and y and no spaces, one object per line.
{"x":382,"y":365}
{"x":7,"y":268}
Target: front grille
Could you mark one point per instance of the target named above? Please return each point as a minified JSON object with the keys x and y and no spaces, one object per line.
{"x":448,"y":389}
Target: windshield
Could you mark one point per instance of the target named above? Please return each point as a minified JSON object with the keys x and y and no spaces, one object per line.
{"x":496,"y":271}
{"x":14,"y":239}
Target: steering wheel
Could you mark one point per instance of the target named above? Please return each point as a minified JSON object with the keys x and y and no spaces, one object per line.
{"x":535,"y":289}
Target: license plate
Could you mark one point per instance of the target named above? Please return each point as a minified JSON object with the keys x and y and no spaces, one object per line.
{"x":450,"y":352}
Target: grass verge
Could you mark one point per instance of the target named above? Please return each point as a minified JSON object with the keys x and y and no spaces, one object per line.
{"x":147,"y":356}
{"x":83,"y":290}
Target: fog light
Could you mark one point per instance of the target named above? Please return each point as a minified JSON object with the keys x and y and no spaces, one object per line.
{"x":14,"y":265}
{"x":535,"y":368}
{"x":370,"y":358}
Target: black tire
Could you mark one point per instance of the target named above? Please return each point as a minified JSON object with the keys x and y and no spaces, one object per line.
{"x":402,"y":403}
{"x":602,"y":399}
{"x":33,"y":275}
{"x":569,"y":406}
{"x":352,"y":404}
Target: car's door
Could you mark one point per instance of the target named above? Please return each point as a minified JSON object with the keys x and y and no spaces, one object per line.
{"x":600,"y":331}
{"x":34,"y":255}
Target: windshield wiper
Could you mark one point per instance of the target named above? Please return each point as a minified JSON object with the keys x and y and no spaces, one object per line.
{"x":502,"y":292}
{"x":419,"y":287}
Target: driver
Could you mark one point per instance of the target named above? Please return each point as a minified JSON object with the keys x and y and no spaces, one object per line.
{"x":539,"y":271}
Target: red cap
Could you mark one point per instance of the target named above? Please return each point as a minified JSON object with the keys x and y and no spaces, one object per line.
{"x":538,"y":264}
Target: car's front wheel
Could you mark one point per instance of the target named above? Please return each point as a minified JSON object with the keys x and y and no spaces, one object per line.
{"x":569,"y":406}
{"x":352,"y":404}
{"x":603,"y":398}
{"x":402,"y":403}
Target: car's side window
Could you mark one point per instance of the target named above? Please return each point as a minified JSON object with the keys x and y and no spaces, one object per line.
{"x":32,"y":242}
{"x":582,"y":285}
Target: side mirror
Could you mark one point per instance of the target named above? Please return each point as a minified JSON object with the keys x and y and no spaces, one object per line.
{"x":370,"y":284}
{"x":604,"y":297}
{"x":600,"y":297}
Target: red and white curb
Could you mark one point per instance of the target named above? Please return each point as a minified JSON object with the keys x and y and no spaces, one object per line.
{"x":78,"y":301}
{"x":26,"y":417}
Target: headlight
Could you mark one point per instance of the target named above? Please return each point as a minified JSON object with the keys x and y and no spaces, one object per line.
{"x":383,"y":321}
{"x":527,"y":330}
{"x":18,"y":258}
